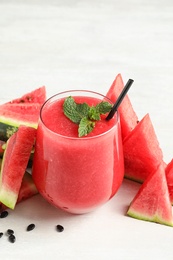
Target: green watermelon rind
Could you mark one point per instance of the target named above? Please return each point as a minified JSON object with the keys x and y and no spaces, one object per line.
{"x":9,"y":126}
{"x":8,"y":197}
{"x":129,"y":177}
{"x":134,"y":214}
{"x":16,"y":123}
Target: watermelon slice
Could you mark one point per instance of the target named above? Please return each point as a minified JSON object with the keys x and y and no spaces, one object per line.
{"x":27,"y":190}
{"x":169,"y":177}
{"x":128,"y":116}
{"x":36,"y":96}
{"x":152,"y":202}
{"x":142,"y":154}
{"x":14,"y":115}
{"x":17,"y":114}
{"x":21,"y":111}
{"x":14,"y":164}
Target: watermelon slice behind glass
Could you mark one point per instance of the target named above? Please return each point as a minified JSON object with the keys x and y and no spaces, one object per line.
{"x":36,"y":96}
{"x":14,"y":164}
{"x":128,"y":117}
{"x":14,"y":115}
{"x":21,"y":111}
{"x":142,"y":154}
{"x":169,"y":177}
{"x":152,"y":201}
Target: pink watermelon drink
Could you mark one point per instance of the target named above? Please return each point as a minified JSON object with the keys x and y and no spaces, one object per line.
{"x":75,"y":173}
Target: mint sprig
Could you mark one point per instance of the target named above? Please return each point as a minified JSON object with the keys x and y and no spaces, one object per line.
{"x":75,"y":112}
{"x":84,"y":115}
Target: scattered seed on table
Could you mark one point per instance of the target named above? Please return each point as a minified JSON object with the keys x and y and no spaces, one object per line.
{"x":12,"y":238}
{"x":4,"y":214}
{"x":1,"y":234}
{"x":30,"y":227}
{"x":10,"y":232}
{"x":59,"y":228}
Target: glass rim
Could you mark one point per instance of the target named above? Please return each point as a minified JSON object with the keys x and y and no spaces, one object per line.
{"x":84,"y":137}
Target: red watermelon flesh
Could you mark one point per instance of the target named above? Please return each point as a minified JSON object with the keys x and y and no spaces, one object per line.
{"x":169,"y":177}
{"x":36,"y":96}
{"x":142,"y":153}
{"x":152,"y":201}
{"x":2,"y":143}
{"x":17,"y":114}
{"x":128,"y":116}
{"x":27,"y":190}
{"x":14,"y":164}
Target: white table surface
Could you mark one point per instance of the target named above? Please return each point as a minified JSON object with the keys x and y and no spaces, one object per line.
{"x":70,"y":44}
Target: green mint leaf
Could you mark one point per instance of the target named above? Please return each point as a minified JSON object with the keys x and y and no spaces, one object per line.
{"x":82,"y":109}
{"x":85,"y":126}
{"x":75,"y":112}
{"x":103,"y":107}
{"x":93,"y":113}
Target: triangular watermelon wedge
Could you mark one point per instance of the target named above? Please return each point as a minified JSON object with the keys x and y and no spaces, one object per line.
{"x":14,"y":115}
{"x":17,"y":114}
{"x":24,"y":110}
{"x":36,"y":96}
{"x":14,"y":164}
{"x":152,"y":201}
{"x":128,"y":116}
{"x":169,"y":177}
{"x":142,"y":154}
{"x":27,"y":190}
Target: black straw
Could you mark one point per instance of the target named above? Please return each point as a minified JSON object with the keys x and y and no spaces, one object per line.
{"x":120,"y":98}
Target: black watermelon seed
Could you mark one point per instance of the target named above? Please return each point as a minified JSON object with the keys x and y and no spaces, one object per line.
{"x":30,"y":227}
{"x":1,"y":234}
{"x":4,"y":214}
{"x":59,"y":228}
{"x":12,"y":238}
{"x":10,"y":232}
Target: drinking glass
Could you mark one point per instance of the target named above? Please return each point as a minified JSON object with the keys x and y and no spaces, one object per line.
{"x":77,"y":174}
